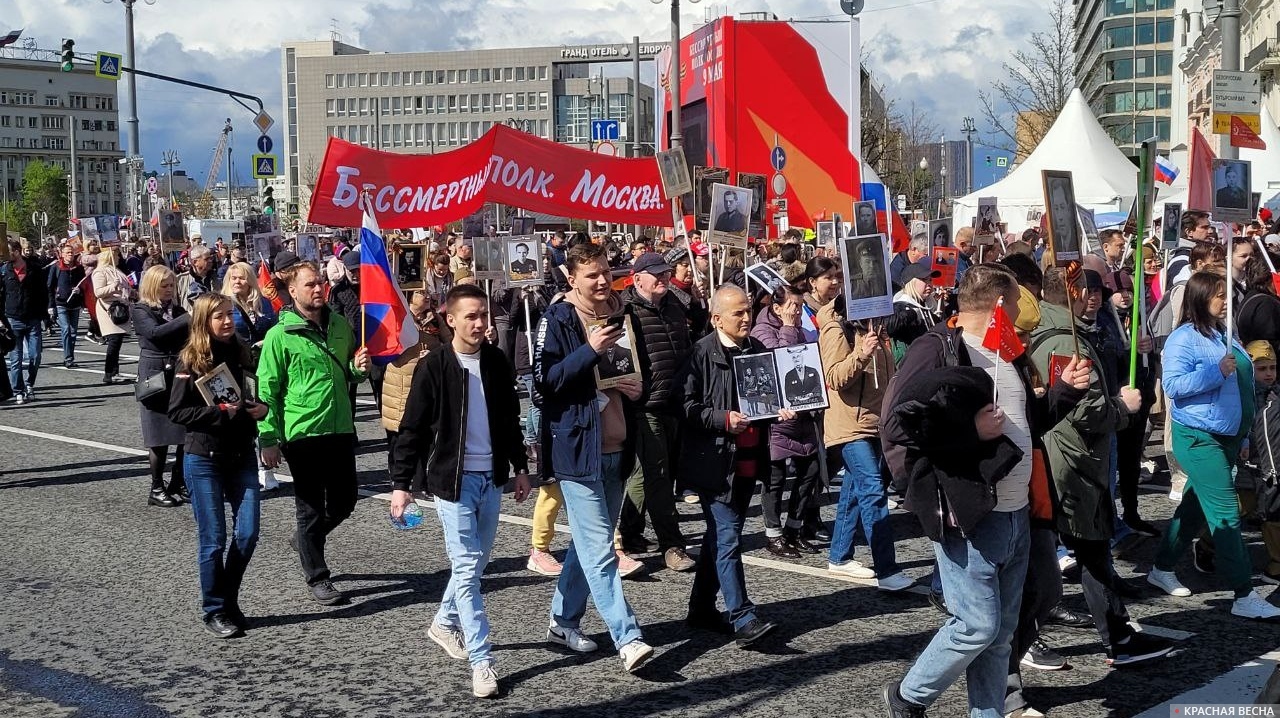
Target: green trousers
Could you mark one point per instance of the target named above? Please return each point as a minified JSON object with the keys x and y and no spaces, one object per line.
{"x":1209,"y":500}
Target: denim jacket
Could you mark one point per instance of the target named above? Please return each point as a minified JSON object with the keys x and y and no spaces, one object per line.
{"x":564,"y":375}
{"x":1199,"y":396}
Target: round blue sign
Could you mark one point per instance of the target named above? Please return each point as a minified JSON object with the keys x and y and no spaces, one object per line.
{"x":778,"y":158}
{"x":264,"y":144}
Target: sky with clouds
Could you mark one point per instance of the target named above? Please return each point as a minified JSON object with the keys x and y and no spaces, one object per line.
{"x":935,"y":53}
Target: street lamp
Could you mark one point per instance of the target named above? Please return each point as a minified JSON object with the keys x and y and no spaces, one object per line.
{"x":915,"y":186}
{"x":674,"y":71}
{"x":131,"y":94}
{"x":942,"y":210}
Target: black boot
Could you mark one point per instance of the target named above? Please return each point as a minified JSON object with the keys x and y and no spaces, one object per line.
{"x":159,"y":497}
{"x":798,"y":542}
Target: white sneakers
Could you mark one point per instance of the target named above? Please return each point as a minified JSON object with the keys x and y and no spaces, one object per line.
{"x":267,"y":480}
{"x":570,"y":638}
{"x":850,"y":569}
{"x":484,"y":681}
{"x":896,"y":582}
{"x":1168,"y":582}
{"x":1254,"y":606}
{"x":450,"y":639}
{"x":635,"y":654}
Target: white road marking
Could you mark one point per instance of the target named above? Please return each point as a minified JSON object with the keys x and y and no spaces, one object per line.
{"x":1239,"y":685}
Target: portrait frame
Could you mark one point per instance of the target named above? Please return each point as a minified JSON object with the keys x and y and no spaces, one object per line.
{"x":753,"y":404}
{"x":945,"y":261}
{"x":219,"y":387}
{"x":784,"y":359}
{"x":611,"y":377}
{"x":1063,"y":219}
{"x":729,"y":228}
{"x":704,"y":179}
{"x":532,"y":262}
{"x":1088,"y":227}
{"x":488,"y":258}
{"x":868,"y":296}
{"x":410,"y":266}
{"x":940,"y":228}
{"x":1171,"y":226}
{"x":673,"y":169}
{"x":1231,"y":200}
{"x":767,"y":277}
{"x":986,"y":223}
{"x":308,"y":247}
{"x":756,"y":184}
{"x":826,"y":233}
{"x":860,"y":226}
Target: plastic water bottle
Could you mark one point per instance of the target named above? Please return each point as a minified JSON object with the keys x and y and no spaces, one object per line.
{"x":410,"y":519}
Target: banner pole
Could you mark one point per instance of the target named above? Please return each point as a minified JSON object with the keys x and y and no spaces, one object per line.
{"x":1145,"y":184}
{"x":528,"y":328}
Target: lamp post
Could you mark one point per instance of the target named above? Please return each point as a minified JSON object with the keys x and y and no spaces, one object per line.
{"x":942,"y":209}
{"x":674,"y":73}
{"x":131,"y":118}
{"x":915,"y":186}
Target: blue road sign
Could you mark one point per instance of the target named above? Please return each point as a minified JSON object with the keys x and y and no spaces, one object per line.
{"x":604,"y":130}
{"x":264,"y":144}
{"x":107,"y":66}
{"x":778,"y":158}
{"x":264,"y":166}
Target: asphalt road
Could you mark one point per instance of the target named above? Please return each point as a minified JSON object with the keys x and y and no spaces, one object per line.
{"x":99,"y":608}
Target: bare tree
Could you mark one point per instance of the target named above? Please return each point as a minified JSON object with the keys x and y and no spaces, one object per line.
{"x":911,"y":136}
{"x":309,"y":173}
{"x":1022,"y":107}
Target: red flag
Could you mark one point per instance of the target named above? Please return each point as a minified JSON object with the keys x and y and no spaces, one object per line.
{"x":268,"y":287}
{"x":1002,"y":336}
{"x":1242,"y":135}
{"x":1200,"y":173}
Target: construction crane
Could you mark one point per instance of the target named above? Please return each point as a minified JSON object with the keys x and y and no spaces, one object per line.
{"x":215,"y":165}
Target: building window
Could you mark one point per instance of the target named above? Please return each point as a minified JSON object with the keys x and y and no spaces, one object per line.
{"x":431,"y":104}
{"x":329,"y":108}
{"x":111,"y":125}
{"x":453,"y":76}
{"x":341,"y":80}
{"x":542,"y":72}
{"x":485,"y":75}
{"x":439,"y":77}
{"x":507,"y":74}
{"x":342,"y":106}
{"x":328,"y":81}
{"x":519,"y":74}
{"x":473,"y":75}
{"x":429,"y":77}
{"x":395,"y":105}
{"x":52,"y":101}
{"x":417,"y":77}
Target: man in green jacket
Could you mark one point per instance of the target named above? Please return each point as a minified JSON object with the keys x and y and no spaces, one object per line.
{"x":1079,"y":449}
{"x":308,"y":360}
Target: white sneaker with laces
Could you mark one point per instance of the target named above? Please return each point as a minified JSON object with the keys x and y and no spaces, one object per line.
{"x":1066,"y":562}
{"x":484,"y":681}
{"x":450,"y":639}
{"x":267,"y":480}
{"x":635,"y":654}
{"x":895,"y":582}
{"x":570,"y":638}
{"x":1254,"y":606}
{"x":850,"y":569}
{"x":1168,"y":582}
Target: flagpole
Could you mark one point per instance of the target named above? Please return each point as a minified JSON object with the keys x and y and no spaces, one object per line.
{"x":995,"y":375}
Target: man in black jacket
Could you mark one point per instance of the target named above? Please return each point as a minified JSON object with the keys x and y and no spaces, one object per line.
{"x":969,"y":460}
{"x":461,"y":418}
{"x":24,"y":295}
{"x":663,"y":326}
{"x":66,"y":296}
{"x":722,"y":456}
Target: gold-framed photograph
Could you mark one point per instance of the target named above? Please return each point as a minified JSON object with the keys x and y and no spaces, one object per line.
{"x":219,"y":387}
{"x":410,"y":266}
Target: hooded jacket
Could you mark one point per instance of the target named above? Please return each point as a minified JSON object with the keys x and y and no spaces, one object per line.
{"x":1078,"y":447}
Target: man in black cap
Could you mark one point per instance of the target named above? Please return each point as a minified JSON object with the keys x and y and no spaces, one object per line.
{"x":662,"y":322}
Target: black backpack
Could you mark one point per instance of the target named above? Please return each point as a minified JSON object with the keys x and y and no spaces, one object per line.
{"x":895,"y":455}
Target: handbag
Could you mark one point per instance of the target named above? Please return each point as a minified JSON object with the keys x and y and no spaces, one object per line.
{"x":150,"y":386}
{"x":7,"y":340}
{"x":118,"y":312}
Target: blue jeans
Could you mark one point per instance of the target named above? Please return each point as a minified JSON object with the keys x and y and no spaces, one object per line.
{"x":470,"y":525}
{"x":720,"y":560}
{"x":863,"y":500}
{"x":27,"y":351}
{"x":68,"y":321}
{"x":591,"y":566}
{"x":1122,"y":529}
{"x":534,"y":420}
{"x":983,"y":577}
{"x":211,"y":482}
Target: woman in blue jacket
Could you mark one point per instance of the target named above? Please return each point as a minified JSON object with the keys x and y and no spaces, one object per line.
{"x":1209,"y":381}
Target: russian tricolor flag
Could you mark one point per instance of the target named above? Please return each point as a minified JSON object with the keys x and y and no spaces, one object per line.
{"x":388,"y":325}
{"x":1165,"y":170}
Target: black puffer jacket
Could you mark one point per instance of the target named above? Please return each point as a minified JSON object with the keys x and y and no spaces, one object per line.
{"x":664,"y":346}
{"x":25,"y":299}
{"x":212,"y":432}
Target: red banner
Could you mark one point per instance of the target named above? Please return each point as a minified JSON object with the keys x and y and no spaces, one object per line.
{"x":1242,"y":135}
{"x":505,"y":166}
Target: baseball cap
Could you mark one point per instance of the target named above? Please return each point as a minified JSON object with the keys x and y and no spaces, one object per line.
{"x":650,"y":262}
{"x":922,"y":269}
{"x":351,"y":260}
{"x":699,"y":248}
{"x":285,"y":259}
{"x":1260,"y":351}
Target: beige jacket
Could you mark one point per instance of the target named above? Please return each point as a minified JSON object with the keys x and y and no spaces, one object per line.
{"x":856,"y":385}
{"x":110,"y":285}
{"x":398,"y":378}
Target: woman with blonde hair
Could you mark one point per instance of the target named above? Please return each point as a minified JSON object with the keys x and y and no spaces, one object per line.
{"x":253,"y":312}
{"x":219,"y":460}
{"x":112,"y":298}
{"x":162,"y":326}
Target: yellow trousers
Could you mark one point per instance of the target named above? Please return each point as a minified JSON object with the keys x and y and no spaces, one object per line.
{"x":545,"y":511}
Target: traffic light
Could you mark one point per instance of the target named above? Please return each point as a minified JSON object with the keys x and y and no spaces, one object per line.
{"x":268,"y":201}
{"x":68,"y":55}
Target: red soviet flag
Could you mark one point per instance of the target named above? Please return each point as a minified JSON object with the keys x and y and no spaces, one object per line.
{"x":267,"y":287}
{"x":1002,"y":336}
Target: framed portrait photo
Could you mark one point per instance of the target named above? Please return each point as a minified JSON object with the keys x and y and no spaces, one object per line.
{"x":756,"y":380}
{"x":987,"y":224}
{"x":766,"y":277}
{"x":867,"y":289}
{"x":826,"y":234}
{"x":620,"y":361}
{"x":308,"y":247}
{"x":410,"y":266}
{"x":523,"y":261}
{"x":1064,"y":220}
{"x":487,"y":259}
{"x":864,"y":218}
{"x":803,"y":386}
{"x":1232,"y":194}
{"x":1170,"y":226}
{"x":219,"y":387}
{"x":1088,"y":225}
{"x":940,"y":233}
{"x":674,"y":172}
{"x":730,"y":215}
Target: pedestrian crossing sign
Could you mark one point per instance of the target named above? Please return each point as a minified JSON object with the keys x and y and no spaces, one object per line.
{"x":264,"y":166}
{"x":107,"y":66}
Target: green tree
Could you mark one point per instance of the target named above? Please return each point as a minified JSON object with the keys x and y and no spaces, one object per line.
{"x":44,"y":189}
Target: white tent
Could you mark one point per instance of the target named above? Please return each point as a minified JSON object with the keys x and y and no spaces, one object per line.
{"x":1105,"y":179}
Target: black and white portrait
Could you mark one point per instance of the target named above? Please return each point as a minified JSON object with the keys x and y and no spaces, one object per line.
{"x":409,"y":266}
{"x":219,"y":387}
{"x":730,"y":221}
{"x":757,"y":382}
{"x":864,"y":218}
{"x":1231,"y":191}
{"x":704,"y":181}
{"x":170,"y":226}
{"x":766,"y":277}
{"x":987,"y":223}
{"x":866,"y":277}
{"x":800,"y":367}
{"x":267,"y":245}
{"x":1170,"y":226}
{"x":620,"y":361}
{"x":674,"y":172}
{"x":523,"y":261}
{"x":940,"y":233}
{"x":826,"y":234}
{"x":308,"y":247}
{"x":1064,"y":221}
{"x":1088,"y":225}
{"x":755,"y":185}
{"x":257,"y":224}
{"x":487,"y":260}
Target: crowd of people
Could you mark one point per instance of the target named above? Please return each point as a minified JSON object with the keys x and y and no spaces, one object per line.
{"x":1013,"y":465}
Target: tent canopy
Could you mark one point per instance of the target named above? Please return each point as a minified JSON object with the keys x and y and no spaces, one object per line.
{"x":1105,"y":179}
